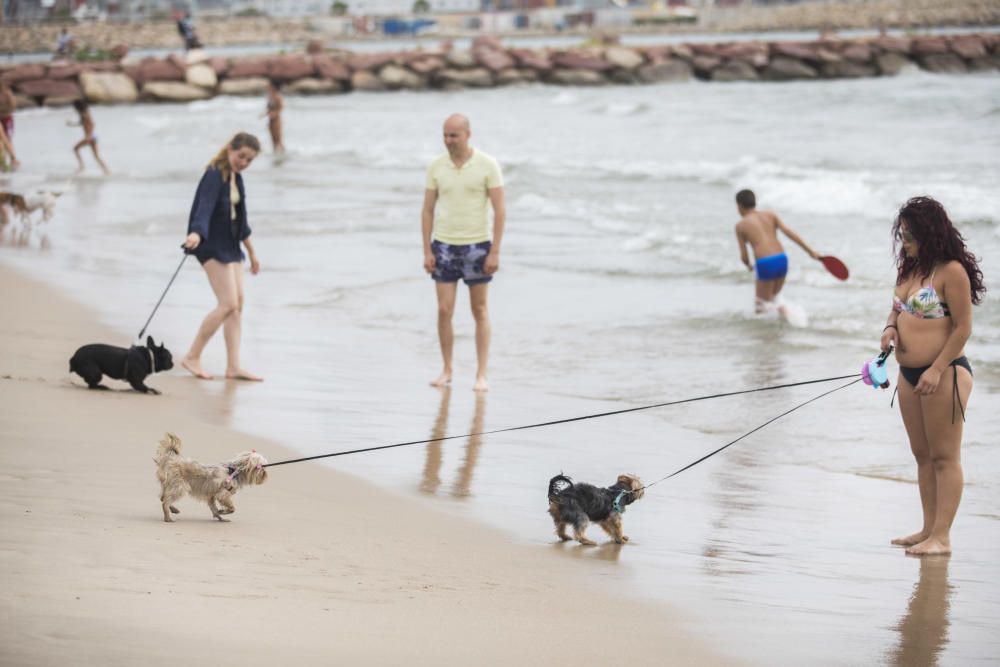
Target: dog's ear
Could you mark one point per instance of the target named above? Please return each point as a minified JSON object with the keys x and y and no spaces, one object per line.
{"x":149,"y":342}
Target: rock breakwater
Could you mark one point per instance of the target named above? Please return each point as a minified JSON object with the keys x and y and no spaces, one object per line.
{"x":488,"y":64}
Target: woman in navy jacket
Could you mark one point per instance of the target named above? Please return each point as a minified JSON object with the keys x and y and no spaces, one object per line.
{"x":216,"y":227}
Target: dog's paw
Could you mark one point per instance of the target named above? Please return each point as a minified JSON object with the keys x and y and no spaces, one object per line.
{"x":167,"y":519}
{"x":154,"y":392}
{"x":220,"y":518}
{"x":588,"y":543}
{"x":174,"y":510}
{"x":624,"y":539}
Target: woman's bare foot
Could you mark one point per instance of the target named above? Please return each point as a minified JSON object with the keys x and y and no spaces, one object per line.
{"x":193,"y":366}
{"x":442,"y":380}
{"x":240,"y":374}
{"x":932,"y":546}
{"x":481,"y":384}
{"x":910,"y":540}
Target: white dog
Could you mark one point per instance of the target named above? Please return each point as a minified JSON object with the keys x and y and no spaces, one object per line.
{"x":46,"y":201}
{"x":218,"y":483}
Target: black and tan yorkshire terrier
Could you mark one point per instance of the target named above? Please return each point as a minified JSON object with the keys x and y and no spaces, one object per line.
{"x":577,"y":505}
{"x":218,"y":483}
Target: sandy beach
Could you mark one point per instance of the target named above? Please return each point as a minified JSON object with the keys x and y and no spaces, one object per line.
{"x":316,"y":567}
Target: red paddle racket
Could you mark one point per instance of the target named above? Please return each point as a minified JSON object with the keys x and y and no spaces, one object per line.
{"x":835,"y":266}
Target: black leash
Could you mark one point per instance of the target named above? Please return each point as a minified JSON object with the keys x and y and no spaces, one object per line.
{"x":139,"y":337}
{"x":575,"y":419}
{"x":728,"y":444}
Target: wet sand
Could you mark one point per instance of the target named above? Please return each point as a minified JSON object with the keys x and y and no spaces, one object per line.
{"x":316,"y":566}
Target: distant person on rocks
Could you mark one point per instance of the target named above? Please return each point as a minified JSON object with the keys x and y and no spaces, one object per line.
{"x":8,"y":104}
{"x":64,"y":44}
{"x":461,"y":185}
{"x":275,"y":105}
{"x":89,"y":135}
{"x":216,"y":228}
{"x":185,"y":26}
{"x":759,"y":230}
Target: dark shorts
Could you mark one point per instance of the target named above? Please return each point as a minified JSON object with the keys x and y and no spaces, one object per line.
{"x":454,"y":262}
{"x":772,"y":267}
{"x":8,"y":126}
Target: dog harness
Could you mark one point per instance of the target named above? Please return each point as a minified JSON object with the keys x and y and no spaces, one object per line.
{"x":617,"y":504}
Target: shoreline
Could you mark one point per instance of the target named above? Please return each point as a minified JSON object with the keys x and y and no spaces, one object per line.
{"x":314,"y":564}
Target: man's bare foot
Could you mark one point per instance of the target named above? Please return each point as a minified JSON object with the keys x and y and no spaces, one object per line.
{"x":910,"y":540}
{"x":240,"y":374}
{"x":481,"y":384}
{"x":442,"y":380}
{"x":193,"y":366}
{"x":930,"y":547}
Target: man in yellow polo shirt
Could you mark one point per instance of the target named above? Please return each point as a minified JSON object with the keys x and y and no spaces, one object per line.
{"x":458,"y":241}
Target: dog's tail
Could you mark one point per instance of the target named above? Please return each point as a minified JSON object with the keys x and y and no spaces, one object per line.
{"x":558,"y":486}
{"x":170,"y":445}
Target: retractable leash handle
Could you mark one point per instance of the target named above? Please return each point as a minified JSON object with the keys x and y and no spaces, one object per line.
{"x":187,"y":253}
{"x":874,"y":373}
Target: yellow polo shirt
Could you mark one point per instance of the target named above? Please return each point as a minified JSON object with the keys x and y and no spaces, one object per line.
{"x":462,"y":213}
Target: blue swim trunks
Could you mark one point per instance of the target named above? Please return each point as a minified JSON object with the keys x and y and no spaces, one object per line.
{"x":454,"y":262}
{"x":772,"y":267}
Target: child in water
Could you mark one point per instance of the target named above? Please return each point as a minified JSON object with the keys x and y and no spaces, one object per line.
{"x":759,"y":229}
{"x":89,"y":136}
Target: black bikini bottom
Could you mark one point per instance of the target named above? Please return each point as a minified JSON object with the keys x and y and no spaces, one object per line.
{"x":912,"y":376}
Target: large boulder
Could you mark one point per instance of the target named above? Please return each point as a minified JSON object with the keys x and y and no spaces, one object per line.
{"x":626,"y":59}
{"x":944,"y":63}
{"x":251,"y":85}
{"x":369,"y":61}
{"x":461,"y":59}
{"x":581,"y":60}
{"x":797,"y":50}
{"x":26,"y":72}
{"x":426,"y":65}
{"x":536,"y":60}
{"x":577,"y":77}
{"x":928,"y":46}
{"x":220,"y":65}
{"x":985,"y":64}
{"x":752,"y":53}
{"x":108,"y":87}
{"x":174,"y":91}
{"x":201,"y":75}
{"x":967,"y":46}
{"x":847,"y":69}
{"x":365,"y":80}
{"x":152,"y":69}
{"x":512,"y":76}
{"x":735,"y":70}
{"x":858,"y":52}
{"x":195,"y":56}
{"x":487,"y":42}
{"x":395,"y":77}
{"x":783,"y":68}
{"x":493,"y":60}
{"x":289,"y":68}
{"x":671,"y":69}
{"x":64,"y":71}
{"x":63,"y":90}
{"x":477,"y":77}
{"x":247,"y":69}
{"x":890,"y":63}
{"x":703,"y":65}
{"x":314,"y":86}
{"x":328,"y":68}
{"x":886,"y":44}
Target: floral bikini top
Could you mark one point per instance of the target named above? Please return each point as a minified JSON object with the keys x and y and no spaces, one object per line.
{"x":924,"y":303}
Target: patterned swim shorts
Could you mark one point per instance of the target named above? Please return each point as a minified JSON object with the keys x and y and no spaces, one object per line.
{"x":452,"y":262}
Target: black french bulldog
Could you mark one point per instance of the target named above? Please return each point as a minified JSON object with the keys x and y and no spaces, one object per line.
{"x":132,"y":365}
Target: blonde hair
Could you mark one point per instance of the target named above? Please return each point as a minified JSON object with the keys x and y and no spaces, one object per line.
{"x":239,"y":140}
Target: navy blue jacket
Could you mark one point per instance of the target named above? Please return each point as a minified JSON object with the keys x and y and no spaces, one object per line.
{"x":210,"y":219}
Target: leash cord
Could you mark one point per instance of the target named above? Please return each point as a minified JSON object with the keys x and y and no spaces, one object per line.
{"x":156,"y":307}
{"x":770,"y":421}
{"x":584,"y":417}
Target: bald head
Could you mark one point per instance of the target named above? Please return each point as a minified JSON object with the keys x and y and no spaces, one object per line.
{"x":456,"y":136}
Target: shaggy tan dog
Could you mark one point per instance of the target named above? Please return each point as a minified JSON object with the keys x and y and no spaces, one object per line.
{"x":218,"y":483}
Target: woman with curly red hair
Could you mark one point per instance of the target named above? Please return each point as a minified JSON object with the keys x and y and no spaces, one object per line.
{"x":937,"y":282}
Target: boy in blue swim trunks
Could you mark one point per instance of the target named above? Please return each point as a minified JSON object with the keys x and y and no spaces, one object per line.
{"x":759,"y":229}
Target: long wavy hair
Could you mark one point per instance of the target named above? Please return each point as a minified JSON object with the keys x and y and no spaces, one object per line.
{"x":239,"y":140}
{"x":937,"y":242}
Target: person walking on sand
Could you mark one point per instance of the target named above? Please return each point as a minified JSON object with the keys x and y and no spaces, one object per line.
{"x":275,"y":105}
{"x":938,"y":280}
{"x":89,"y":135}
{"x":759,"y":230}
{"x":461,"y":184}
{"x":8,"y":104}
{"x":216,"y":227}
